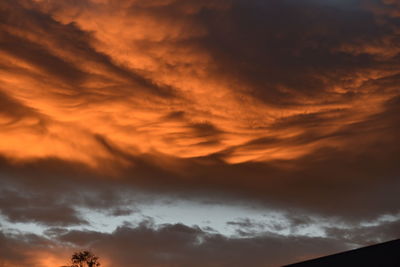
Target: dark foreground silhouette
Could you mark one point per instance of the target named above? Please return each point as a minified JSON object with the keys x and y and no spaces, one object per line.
{"x":84,"y":259}
{"x":381,"y":255}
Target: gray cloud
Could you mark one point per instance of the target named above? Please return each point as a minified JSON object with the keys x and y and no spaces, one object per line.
{"x":180,"y":245}
{"x":367,"y":235}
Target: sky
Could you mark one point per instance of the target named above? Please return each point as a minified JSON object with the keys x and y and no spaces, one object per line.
{"x":197,"y":132}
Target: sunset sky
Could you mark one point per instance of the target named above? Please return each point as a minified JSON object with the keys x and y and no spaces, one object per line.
{"x":197,"y":133}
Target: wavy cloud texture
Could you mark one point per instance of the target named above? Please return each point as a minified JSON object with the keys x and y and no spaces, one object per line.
{"x":291,"y":105}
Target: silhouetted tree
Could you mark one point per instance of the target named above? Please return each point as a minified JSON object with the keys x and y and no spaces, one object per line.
{"x":84,"y":259}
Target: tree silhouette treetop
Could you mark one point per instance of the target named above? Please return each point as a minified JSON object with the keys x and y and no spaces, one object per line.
{"x":84,"y":259}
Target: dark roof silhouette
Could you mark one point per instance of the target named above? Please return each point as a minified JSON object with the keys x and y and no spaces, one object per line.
{"x":381,"y":255}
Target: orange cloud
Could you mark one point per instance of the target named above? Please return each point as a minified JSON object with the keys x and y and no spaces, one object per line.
{"x":290,"y":104}
{"x":107,"y":68}
{"x":115,"y":84}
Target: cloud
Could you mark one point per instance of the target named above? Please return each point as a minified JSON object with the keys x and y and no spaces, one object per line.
{"x":294,"y":184}
{"x":176,"y":244}
{"x":28,"y":250}
{"x":180,"y":245}
{"x":39,"y":209}
{"x":299,"y":65}
{"x":287,"y":105}
{"x":367,"y":235}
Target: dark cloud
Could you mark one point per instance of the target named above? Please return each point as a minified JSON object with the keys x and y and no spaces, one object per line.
{"x":180,"y":245}
{"x":24,"y":207}
{"x":122,"y":212}
{"x":286,"y":51}
{"x":367,"y":235}
{"x":30,"y":193}
{"x":164,"y":245}
{"x":24,"y":249}
{"x":290,"y":223}
{"x":10,"y":251}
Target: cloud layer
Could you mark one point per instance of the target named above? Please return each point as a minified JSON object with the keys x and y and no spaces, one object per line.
{"x":289,"y":105}
{"x":172,"y":245}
